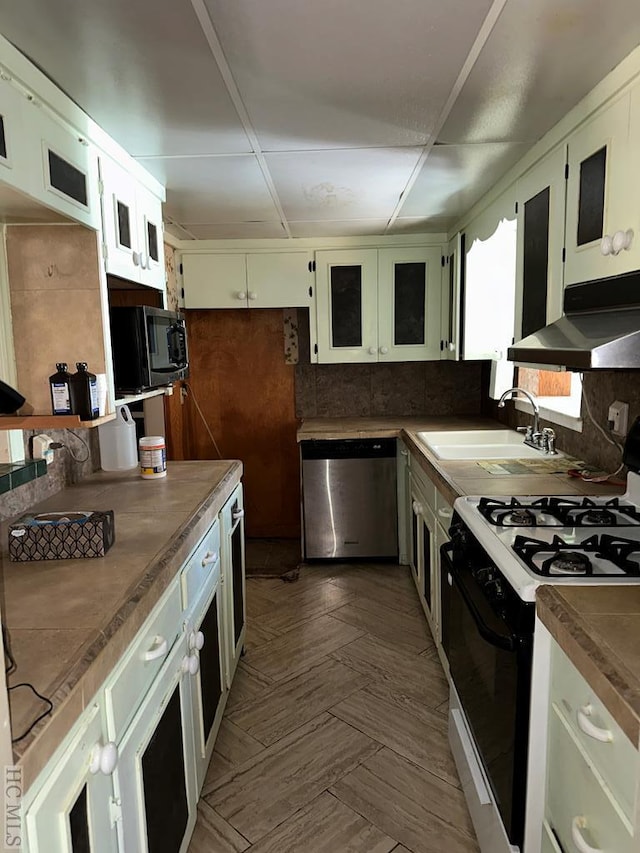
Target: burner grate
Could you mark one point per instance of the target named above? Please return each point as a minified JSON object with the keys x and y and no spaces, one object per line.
{"x":558,"y":512}
{"x":560,"y":558}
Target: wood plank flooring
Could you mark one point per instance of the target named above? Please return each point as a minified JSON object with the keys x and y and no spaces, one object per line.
{"x":334,"y":738}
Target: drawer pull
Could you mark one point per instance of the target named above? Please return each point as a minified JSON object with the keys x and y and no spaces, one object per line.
{"x":157,"y":650}
{"x":445,"y":513}
{"x":577,"y":825}
{"x":209,"y":558}
{"x":103,"y":759}
{"x":237,"y":513}
{"x":589,"y":728}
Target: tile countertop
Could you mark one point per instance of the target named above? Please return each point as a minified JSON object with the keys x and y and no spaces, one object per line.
{"x":453,"y":479}
{"x":598,"y":629}
{"x":69,"y":621}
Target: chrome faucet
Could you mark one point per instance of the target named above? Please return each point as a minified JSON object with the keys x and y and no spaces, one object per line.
{"x":533,"y":435}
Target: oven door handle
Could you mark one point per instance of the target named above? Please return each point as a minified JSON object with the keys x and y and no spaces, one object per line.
{"x":509,"y":644}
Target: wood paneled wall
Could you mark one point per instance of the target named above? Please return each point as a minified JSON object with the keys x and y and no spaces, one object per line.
{"x":245,"y":390}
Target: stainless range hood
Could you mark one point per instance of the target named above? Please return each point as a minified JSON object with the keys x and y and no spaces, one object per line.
{"x":600,"y":329}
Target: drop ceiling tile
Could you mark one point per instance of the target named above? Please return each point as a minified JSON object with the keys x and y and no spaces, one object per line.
{"x":347,"y":184}
{"x":454,"y":177}
{"x":336,"y":74}
{"x":143,"y":70}
{"x":211,"y":190}
{"x":237,"y":230}
{"x":339,"y":228}
{"x":421,"y":224}
{"x":541,"y":58}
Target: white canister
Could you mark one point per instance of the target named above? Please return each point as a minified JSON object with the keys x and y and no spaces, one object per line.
{"x":153,"y":457}
{"x":118,"y":442}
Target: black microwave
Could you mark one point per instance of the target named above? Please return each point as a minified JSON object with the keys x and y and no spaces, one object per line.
{"x":149,"y":347}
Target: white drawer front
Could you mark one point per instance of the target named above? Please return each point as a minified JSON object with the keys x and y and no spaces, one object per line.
{"x":127,"y":686}
{"x":579,"y":808}
{"x":614,"y":755}
{"x":204,"y":561}
{"x":444,"y":510}
{"x":424,"y":485}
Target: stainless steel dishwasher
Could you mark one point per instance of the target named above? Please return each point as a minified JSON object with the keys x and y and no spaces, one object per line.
{"x":349,"y":498}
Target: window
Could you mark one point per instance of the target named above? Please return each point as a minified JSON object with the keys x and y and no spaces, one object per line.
{"x":559,"y":395}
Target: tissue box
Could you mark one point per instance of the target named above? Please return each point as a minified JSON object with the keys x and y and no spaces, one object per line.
{"x":61,"y":536}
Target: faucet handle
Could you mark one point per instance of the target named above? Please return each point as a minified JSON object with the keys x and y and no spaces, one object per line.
{"x":549,"y":438}
{"x":527,"y":430}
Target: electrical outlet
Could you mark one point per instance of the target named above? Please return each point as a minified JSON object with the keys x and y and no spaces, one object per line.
{"x":618,"y":417}
{"x":42,"y":447}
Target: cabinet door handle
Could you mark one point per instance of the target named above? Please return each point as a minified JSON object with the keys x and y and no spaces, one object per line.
{"x":237,"y":513}
{"x":589,"y":728}
{"x":404,"y":452}
{"x":372,"y":350}
{"x":157,"y":650}
{"x":242,"y":295}
{"x":577,"y":825}
{"x":253,"y":294}
{"x":384,"y":350}
{"x":103,"y":759}
{"x":209,"y":558}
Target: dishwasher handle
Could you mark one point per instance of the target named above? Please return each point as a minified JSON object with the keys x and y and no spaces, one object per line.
{"x":348,"y":448}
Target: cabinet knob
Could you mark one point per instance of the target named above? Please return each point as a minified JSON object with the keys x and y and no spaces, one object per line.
{"x":452,"y":346}
{"x":417,"y":508}
{"x":372,"y":350}
{"x":621,"y":241}
{"x":242,"y":295}
{"x":103,"y":759}
{"x":190,"y":664}
{"x":196,"y":640}
{"x":135,"y":257}
{"x":384,"y":350}
{"x":253,"y":295}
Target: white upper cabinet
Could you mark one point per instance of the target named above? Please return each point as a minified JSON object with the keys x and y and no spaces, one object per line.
{"x":450,"y":302}
{"x":132,"y":227}
{"x":603,"y":214}
{"x":247,"y":280}
{"x":14,"y":154}
{"x":539,"y":267}
{"x":378,"y":304}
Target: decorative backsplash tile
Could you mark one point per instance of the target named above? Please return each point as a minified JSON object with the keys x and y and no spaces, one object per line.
{"x":291,"y":346}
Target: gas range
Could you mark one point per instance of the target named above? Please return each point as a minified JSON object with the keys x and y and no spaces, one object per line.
{"x":560,"y":540}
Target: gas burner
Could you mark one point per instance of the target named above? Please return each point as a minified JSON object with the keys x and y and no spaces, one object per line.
{"x":596,"y":555}
{"x":522,"y":518}
{"x":600,"y":515}
{"x":588,"y":512}
{"x":567,"y":563}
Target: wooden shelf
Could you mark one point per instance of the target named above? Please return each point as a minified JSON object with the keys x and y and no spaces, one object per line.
{"x":50,"y":421}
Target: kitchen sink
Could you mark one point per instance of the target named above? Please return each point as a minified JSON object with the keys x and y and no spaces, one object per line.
{"x":479,"y":444}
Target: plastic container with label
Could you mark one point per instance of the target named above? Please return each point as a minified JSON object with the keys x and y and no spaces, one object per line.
{"x":153,"y":457}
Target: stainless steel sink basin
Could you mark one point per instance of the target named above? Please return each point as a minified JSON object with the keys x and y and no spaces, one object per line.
{"x":479,"y":444}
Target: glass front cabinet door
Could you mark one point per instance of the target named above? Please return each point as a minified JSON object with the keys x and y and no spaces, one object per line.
{"x":233,"y":579}
{"x":72,"y":812}
{"x":409,"y":292}
{"x":347,"y":291}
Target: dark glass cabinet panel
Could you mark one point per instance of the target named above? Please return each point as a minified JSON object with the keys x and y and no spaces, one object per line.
{"x":238,"y":592}
{"x":163,"y":777}
{"x":535,"y":262}
{"x":210,"y":678}
{"x":346,"y":306}
{"x":3,"y":140}
{"x":426,"y":556}
{"x":410,"y":282}
{"x":452,"y":294}
{"x":152,"y":241}
{"x":414,"y":543}
{"x":67,"y":179}
{"x":593,"y":172}
{"x":79,"y":824}
{"x":124,"y":225}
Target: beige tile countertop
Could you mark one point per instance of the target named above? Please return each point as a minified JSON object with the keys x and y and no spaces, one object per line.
{"x":453,"y":479}
{"x":598,"y":629}
{"x":69,"y":621}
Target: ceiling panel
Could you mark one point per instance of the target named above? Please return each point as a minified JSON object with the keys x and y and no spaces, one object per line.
{"x":339,"y":228}
{"x":210,"y":190}
{"x":541,"y":58}
{"x":420,"y":224}
{"x":334,"y":74}
{"x":454,"y":177}
{"x":237,"y":230}
{"x":348,"y":184}
{"x":142,"y":70}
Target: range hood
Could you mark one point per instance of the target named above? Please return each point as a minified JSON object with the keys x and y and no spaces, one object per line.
{"x":600,"y":329}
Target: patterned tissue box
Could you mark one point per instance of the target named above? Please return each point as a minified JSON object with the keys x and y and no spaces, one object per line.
{"x":61,"y":536}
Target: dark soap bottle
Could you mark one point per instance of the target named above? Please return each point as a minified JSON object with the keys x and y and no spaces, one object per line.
{"x":84,"y":393}
{"x":60,"y":390}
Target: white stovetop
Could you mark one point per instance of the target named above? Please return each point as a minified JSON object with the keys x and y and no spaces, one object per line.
{"x":498,"y":541}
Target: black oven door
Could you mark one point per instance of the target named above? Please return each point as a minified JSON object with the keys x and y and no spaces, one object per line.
{"x":490,"y":667}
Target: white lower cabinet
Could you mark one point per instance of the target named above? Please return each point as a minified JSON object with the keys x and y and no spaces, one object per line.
{"x":127,"y":777}
{"x":73,"y":810}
